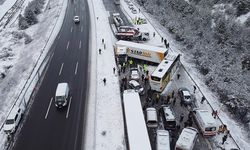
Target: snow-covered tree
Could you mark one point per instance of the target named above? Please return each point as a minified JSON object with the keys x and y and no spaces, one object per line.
{"x":22,"y":23}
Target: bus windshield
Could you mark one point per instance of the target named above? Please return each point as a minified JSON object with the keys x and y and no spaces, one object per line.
{"x":156,"y":79}
{"x":210,"y":129}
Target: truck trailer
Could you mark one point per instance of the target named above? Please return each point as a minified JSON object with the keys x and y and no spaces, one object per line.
{"x":143,"y":52}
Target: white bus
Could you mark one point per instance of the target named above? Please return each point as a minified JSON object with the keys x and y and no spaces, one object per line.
{"x":164,"y":72}
{"x":137,"y":133}
{"x":206,"y":122}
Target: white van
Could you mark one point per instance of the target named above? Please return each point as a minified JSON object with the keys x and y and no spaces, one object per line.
{"x":162,"y":140}
{"x":13,"y":120}
{"x":152,"y":121}
{"x":205,"y":121}
{"x":187,"y":139}
{"x":62,"y":94}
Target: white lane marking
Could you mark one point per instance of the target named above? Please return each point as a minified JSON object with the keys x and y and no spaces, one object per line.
{"x":81,"y":28}
{"x":67,"y":46}
{"x":48,"y":108}
{"x":71,"y":29}
{"x":80,"y":44}
{"x":67,"y":115}
{"x":61,"y":69}
{"x":76,"y":68}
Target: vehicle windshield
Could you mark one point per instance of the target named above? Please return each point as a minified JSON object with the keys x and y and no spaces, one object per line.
{"x":60,"y":98}
{"x":10,"y":121}
{"x":171,"y":123}
{"x":138,"y":87}
{"x":210,"y":129}
{"x":187,"y":97}
{"x":156,"y":79}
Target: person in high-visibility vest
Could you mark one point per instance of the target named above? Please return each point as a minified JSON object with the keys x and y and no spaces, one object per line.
{"x":144,"y":68}
{"x":130,"y":62}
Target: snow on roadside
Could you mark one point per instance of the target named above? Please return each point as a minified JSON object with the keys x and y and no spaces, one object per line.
{"x":7,"y":4}
{"x":26,"y":55}
{"x":108,"y":120}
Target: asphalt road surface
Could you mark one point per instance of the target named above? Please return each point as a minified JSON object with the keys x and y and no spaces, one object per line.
{"x":46,"y":127}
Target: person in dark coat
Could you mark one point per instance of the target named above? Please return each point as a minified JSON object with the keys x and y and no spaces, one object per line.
{"x":224,"y":138}
{"x":104,"y":81}
{"x":178,"y":76}
{"x":194,"y":88}
{"x":181,"y":117}
{"x":174,"y":101}
{"x":203,"y":99}
{"x":173,"y":94}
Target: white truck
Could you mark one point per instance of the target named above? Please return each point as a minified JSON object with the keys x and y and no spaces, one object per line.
{"x":62,"y":95}
{"x":120,"y":54}
{"x":144,"y":52}
{"x":131,"y":33}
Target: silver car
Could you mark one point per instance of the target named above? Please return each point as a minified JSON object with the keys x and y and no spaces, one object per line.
{"x":136,"y":86}
{"x":185,"y":96}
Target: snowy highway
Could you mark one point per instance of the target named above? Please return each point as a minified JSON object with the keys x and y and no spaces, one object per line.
{"x":45,"y":126}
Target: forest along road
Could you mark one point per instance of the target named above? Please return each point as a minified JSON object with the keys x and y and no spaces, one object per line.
{"x":49,"y":128}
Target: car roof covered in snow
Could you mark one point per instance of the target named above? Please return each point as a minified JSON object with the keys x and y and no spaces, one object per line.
{"x":61,"y":89}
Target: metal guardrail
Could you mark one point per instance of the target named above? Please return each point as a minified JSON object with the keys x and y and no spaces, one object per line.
{"x":35,"y":77}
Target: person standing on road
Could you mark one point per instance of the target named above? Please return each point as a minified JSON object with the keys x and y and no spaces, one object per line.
{"x":153,"y":34}
{"x":194,"y":88}
{"x":168,"y":99}
{"x":224,"y":138}
{"x":157,"y":98}
{"x":100,"y":51}
{"x":142,"y":77}
{"x":173,"y":94}
{"x":178,"y":76}
{"x":113,"y":70}
{"x":181,"y":117}
{"x":174,"y":101}
{"x":161,"y":39}
{"x":104,"y":81}
{"x":203,"y":99}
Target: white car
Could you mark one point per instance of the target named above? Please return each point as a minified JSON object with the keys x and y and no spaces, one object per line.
{"x":136,"y":86}
{"x":13,"y":120}
{"x":185,"y":96}
{"x":76,"y":19}
{"x":134,"y":74}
